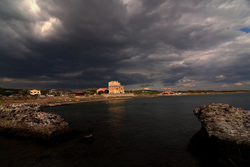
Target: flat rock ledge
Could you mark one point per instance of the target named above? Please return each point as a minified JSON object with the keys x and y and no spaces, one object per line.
{"x":28,"y":120}
{"x":225,"y":122}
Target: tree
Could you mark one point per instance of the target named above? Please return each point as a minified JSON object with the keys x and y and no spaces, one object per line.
{"x":24,"y":92}
{"x":91,"y":90}
{"x":44,"y":91}
{"x":2,"y":90}
{"x":100,"y":92}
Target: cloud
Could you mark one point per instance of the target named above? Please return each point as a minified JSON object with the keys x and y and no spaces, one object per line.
{"x":181,"y":44}
{"x":71,"y":74}
{"x":166,"y":88}
{"x":225,"y":86}
{"x":238,"y":84}
{"x":189,"y":85}
{"x":147,"y":85}
{"x":220,"y":77}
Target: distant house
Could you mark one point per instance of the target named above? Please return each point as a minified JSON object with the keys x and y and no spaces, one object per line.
{"x":167,"y":92}
{"x":101,"y":89}
{"x":35,"y":92}
{"x":115,"y":87}
{"x":79,"y":93}
{"x":53,"y":91}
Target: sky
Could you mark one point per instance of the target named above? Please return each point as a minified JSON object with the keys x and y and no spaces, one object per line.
{"x":144,"y":44}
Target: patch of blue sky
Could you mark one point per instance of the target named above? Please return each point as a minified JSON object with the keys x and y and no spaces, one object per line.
{"x":245,"y":29}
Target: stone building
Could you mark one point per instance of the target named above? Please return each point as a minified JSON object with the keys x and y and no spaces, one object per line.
{"x":115,"y":87}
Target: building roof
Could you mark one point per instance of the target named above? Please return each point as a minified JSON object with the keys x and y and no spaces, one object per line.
{"x":101,"y":89}
{"x":79,"y":92}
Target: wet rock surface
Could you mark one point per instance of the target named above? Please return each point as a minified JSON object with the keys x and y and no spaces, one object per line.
{"x":28,"y":120}
{"x":225,"y":122}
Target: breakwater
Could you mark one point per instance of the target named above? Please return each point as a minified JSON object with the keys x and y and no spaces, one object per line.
{"x":28,"y":120}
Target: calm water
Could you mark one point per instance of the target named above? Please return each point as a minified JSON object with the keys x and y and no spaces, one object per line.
{"x":134,"y":132}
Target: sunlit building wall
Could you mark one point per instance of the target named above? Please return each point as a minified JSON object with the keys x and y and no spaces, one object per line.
{"x":115,"y":87}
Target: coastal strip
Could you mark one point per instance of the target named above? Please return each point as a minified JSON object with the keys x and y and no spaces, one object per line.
{"x":58,"y":100}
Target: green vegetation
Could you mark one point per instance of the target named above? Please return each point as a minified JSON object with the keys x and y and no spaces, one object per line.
{"x":100,"y":92}
{"x":24,"y":92}
{"x":91,"y":91}
{"x":103,"y":92}
{"x":44,"y":91}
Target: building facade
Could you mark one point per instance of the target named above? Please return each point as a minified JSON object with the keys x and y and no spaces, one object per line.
{"x":115,"y":87}
{"x":35,"y":92}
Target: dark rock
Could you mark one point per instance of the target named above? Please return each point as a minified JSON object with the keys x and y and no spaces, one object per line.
{"x":212,"y":151}
{"x":225,"y":122}
{"x":27,"y":119}
{"x":224,"y":137}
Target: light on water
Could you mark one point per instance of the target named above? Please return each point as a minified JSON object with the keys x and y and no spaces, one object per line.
{"x":134,"y":132}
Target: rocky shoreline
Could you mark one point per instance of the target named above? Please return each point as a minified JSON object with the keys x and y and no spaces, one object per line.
{"x":28,"y":120}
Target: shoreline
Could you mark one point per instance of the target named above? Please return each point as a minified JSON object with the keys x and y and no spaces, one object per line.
{"x":58,"y":101}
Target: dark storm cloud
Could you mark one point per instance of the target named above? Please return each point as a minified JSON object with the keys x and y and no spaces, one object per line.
{"x":80,"y":44}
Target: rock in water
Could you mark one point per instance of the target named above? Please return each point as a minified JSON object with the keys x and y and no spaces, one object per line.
{"x":224,"y":139}
{"x":27,"y":119}
{"x":225,"y":122}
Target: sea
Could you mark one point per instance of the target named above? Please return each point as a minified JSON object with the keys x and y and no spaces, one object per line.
{"x":134,"y":132}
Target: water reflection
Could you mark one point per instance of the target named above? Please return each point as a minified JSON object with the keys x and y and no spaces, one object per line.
{"x":117,"y":114}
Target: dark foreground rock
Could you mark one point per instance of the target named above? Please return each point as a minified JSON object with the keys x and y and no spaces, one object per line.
{"x":225,"y":122}
{"x":28,"y":120}
{"x":224,"y":138}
